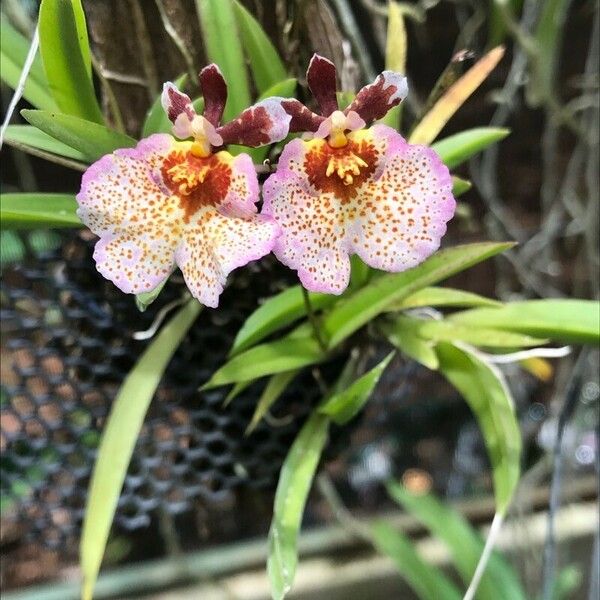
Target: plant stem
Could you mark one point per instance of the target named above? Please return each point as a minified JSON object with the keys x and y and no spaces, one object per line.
{"x":313,"y":320}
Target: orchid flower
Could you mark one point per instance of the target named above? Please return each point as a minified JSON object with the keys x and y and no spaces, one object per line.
{"x":350,"y":190}
{"x":187,"y":203}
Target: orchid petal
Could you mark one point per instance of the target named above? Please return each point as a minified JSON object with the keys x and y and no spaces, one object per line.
{"x":176,"y":103}
{"x":320,"y":77}
{"x":303,"y":119}
{"x":263,"y":123}
{"x":214,"y":90}
{"x":122,"y":201}
{"x":379,"y":197}
{"x":375,"y":100}
{"x":213,"y":245}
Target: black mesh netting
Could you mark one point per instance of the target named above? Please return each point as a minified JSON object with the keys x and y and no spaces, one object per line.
{"x":67,"y":344}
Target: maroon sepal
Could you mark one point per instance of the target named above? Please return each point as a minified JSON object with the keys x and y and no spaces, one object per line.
{"x":263,"y":123}
{"x":320,"y":76}
{"x":214,"y":90}
{"x":175,"y":102}
{"x":303,"y":119}
{"x":375,"y":100}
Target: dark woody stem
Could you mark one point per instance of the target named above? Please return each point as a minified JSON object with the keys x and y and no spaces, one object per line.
{"x":313,"y":320}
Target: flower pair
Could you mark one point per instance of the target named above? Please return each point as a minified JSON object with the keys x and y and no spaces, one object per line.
{"x":342,"y":190}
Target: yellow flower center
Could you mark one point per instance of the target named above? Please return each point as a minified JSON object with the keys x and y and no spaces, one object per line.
{"x":186,"y":178}
{"x":345,"y":166}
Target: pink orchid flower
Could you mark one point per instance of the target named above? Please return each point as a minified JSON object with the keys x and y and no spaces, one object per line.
{"x":190,"y":204}
{"x":350,"y":190}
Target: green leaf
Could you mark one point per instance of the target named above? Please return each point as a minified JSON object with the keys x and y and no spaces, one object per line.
{"x":483,"y":387}
{"x":441,"y":296}
{"x":295,"y":481}
{"x":409,"y":343}
{"x":223,"y":46}
{"x":343,"y":406}
{"x":569,"y":320}
{"x":65,"y":52}
{"x":91,"y":139}
{"x":119,"y":437}
{"x":236,"y":390}
{"x":39,"y":210}
{"x":275,"y":387}
{"x":275,"y":313}
{"x":425,"y":580}
{"x":460,"y":186}
{"x":458,"y":148}
{"x":446,"y":331}
{"x":14,"y":48}
{"x":34,"y":137}
{"x":267,"y":359}
{"x":364,"y":305}
{"x":145,"y":299}
{"x":464,"y":543}
{"x":265,"y":63}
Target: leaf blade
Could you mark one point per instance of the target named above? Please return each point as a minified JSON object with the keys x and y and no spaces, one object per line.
{"x":564,"y":320}
{"x":343,"y":406}
{"x":276,"y":313}
{"x":66,"y":56}
{"x":36,"y":138}
{"x":91,"y":139}
{"x":368,"y":302}
{"x":294,"y":484}
{"x":119,"y":437}
{"x":285,"y":354}
{"x":265,"y":62}
{"x":38,"y":210}
{"x":424,"y":579}
{"x":484,"y":389}
{"x":456,"y":149}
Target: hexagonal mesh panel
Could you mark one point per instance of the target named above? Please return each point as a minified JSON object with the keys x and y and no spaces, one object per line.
{"x":67,"y":346}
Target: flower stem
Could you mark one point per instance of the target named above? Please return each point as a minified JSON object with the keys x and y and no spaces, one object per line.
{"x":313,"y":320}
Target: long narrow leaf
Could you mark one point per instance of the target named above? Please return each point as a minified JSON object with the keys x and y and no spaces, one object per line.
{"x":486,"y":392}
{"x":425,"y":580}
{"x":442,"y":296}
{"x":365,"y":304}
{"x":343,"y":406}
{"x":13,"y":52}
{"x":118,"y":440}
{"x":458,"y":148}
{"x":223,"y":46}
{"x":66,"y":55}
{"x":433,"y":122}
{"x":447,"y":331}
{"x":35,"y":138}
{"x":463,"y":542}
{"x":275,"y":313}
{"x":91,"y":139}
{"x":273,"y":390}
{"x":565,"y":320}
{"x":39,"y":210}
{"x":265,"y":63}
{"x":267,"y":359}
{"x":295,"y":481}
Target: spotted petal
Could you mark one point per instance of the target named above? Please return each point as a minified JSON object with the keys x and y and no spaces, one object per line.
{"x":123,"y":201}
{"x":378,"y":197}
{"x":213,"y":245}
